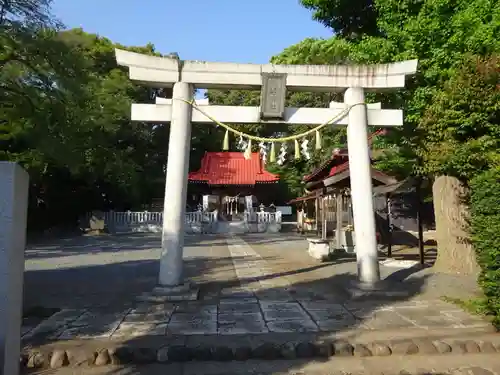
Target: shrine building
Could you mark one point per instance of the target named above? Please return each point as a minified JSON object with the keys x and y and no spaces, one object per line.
{"x":326,"y":206}
{"x":232,"y":184}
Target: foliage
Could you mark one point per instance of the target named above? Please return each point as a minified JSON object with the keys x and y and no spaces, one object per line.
{"x":347,"y":18}
{"x":65,"y":105}
{"x":65,"y":116}
{"x":34,"y":13}
{"x":440,"y":33}
{"x":462,"y":136}
{"x":476,"y":306}
{"x":485,"y":225}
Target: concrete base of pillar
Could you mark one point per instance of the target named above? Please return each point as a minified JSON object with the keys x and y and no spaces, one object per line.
{"x":379,"y":290}
{"x":161,"y":294}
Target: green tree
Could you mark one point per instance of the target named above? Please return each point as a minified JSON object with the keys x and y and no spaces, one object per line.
{"x":441,"y":34}
{"x":32,"y":13}
{"x":350,"y":19}
{"x":66,"y":118}
{"x":485,"y":224}
{"x":462,"y":139}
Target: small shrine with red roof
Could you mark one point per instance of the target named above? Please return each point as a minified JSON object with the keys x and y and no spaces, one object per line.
{"x":326,"y":206}
{"x":231,"y":183}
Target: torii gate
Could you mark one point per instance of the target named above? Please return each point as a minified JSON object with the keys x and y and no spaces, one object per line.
{"x":273,"y":80}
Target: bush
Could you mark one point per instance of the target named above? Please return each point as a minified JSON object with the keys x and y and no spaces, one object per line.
{"x":485,"y":228}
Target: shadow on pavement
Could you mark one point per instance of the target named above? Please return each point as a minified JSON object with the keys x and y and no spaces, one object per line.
{"x":114,"y":287}
{"x":82,"y":245}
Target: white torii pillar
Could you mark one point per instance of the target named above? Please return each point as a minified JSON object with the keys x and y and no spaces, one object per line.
{"x":174,"y":206}
{"x":163,"y":72}
{"x":361,"y":188}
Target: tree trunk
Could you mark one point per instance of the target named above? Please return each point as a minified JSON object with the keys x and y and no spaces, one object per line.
{"x":455,"y":251}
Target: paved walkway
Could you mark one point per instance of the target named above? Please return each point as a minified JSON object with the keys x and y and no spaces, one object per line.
{"x":253,"y":284}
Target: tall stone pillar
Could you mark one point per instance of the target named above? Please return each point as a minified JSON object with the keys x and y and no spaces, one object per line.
{"x":361,"y":188}
{"x":174,"y":211}
{"x":13,"y":211}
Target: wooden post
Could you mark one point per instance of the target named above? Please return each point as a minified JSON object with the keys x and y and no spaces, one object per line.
{"x":316,"y":207}
{"x":418,"y":192}
{"x":339,"y":215}
{"x":324,"y":217}
{"x":389,"y":225}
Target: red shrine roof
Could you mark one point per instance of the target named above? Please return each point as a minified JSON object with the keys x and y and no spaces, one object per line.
{"x":231,"y":168}
{"x":376,"y":175}
{"x":337,"y":156}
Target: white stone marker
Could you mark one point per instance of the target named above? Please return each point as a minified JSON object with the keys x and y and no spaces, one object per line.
{"x":174,"y":209}
{"x":13,"y":211}
{"x":361,"y":188}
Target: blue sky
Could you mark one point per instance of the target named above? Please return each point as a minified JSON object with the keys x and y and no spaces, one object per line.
{"x":213,"y":30}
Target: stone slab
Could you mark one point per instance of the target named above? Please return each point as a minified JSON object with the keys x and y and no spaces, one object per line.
{"x":193,"y":327}
{"x":92,"y":325}
{"x":154,"y":297}
{"x":147,"y":318}
{"x":196,"y":308}
{"x":148,"y":308}
{"x":327,"y":311}
{"x":299,"y":326}
{"x":125,"y":330}
{"x":334,"y":325}
{"x":232,"y":318}
{"x":385,"y":320}
{"x":182,"y":317}
{"x":249,"y":323}
{"x":282,"y":311}
{"x":231,"y":301}
{"x":429,"y":318}
{"x":274,"y":296}
{"x":239,"y":308}
{"x":234,"y":293}
{"x":55,"y":323}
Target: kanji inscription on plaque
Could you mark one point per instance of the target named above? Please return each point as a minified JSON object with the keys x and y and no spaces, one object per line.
{"x":272,"y":99}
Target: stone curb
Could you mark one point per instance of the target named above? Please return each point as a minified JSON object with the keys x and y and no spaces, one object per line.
{"x":124,"y":354}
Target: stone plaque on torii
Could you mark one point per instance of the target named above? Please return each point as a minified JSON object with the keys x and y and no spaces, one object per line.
{"x":273,"y":81}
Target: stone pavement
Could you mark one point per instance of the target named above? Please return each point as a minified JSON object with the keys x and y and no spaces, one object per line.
{"x":427,"y":284}
{"x":260,"y":297}
{"x":249,"y":285}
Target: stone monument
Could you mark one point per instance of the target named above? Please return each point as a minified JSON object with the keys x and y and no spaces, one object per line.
{"x":13,"y":211}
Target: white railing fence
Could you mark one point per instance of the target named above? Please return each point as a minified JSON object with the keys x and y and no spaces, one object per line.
{"x":113,"y":218}
{"x":118,"y":220}
{"x":196,"y":222}
{"x":201,"y":217}
{"x":263,"y":217}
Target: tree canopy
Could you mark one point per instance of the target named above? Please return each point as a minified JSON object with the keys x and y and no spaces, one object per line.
{"x":65,"y":103}
{"x":350,"y":19}
{"x":65,"y":108}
